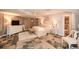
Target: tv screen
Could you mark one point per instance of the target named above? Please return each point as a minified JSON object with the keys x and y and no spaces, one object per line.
{"x":15,"y":22}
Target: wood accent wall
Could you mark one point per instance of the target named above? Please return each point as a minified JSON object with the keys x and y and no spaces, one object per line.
{"x":1,"y":24}
{"x":28,"y":22}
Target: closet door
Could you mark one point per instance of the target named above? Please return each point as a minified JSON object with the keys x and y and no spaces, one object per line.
{"x":1,"y":24}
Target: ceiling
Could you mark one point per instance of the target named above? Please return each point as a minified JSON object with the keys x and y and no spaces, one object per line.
{"x":39,"y":12}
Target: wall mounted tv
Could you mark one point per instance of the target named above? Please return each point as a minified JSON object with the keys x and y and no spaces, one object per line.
{"x":15,"y":22}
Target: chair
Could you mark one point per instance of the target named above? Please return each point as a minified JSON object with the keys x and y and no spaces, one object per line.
{"x":71,"y":38}
{"x":24,"y":37}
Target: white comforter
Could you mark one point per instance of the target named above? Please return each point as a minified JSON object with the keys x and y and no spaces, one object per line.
{"x":41,"y":31}
{"x":26,"y":36}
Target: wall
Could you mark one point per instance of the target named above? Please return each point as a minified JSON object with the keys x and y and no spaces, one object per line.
{"x":60,"y":22}
{"x":8,"y":19}
{"x":76,"y":21}
{"x":56,"y":18}
{"x":2,"y":24}
{"x":59,"y":27}
{"x":50,"y":22}
{"x":73,"y":22}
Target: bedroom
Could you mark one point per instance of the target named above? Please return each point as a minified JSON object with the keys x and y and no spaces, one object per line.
{"x":38,"y":28}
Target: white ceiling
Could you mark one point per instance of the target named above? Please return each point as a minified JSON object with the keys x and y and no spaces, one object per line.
{"x":39,"y":12}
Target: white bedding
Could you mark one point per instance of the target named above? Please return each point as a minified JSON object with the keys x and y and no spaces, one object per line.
{"x":41,"y":31}
{"x":26,"y":36}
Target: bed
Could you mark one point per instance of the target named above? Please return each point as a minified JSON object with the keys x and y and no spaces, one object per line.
{"x":41,"y":31}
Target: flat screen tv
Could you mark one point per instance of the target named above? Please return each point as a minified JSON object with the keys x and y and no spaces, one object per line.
{"x":15,"y":22}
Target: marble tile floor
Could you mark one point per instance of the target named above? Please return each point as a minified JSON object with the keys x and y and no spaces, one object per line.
{"x":8,"y":42}
{"x":49,"y":41}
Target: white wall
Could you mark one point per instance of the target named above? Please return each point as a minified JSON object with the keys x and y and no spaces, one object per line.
{"x":76,"y":21}
{"x":60,"y":23}
{"x":59,"y":28}
{"x":8,"y":19}
{"x":73,"y":22}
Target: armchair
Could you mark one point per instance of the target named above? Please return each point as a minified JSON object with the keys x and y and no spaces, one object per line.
{"x":71,"y":38}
